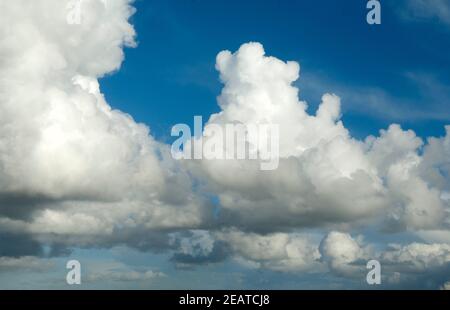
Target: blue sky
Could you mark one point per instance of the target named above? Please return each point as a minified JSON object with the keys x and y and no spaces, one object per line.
{"x":170,"y":76}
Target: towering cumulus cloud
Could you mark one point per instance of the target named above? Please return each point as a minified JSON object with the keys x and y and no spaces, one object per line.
{"x":76,"y":173}
{"x":70,"y":165}
{"x":325,"y":176}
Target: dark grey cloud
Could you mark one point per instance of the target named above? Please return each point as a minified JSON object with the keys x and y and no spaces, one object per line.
{"x":16,"y":245}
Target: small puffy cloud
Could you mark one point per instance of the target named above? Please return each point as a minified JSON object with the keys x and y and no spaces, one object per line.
{"x":446,"y":286}
{"x":417,"y":257}
{"x":416,"y":265}
{"x":197,"y":247}
{"x":278,"y":251}
{"x":343,"y":254}
{"x":435,"y":167}
{"x":415,"y":204}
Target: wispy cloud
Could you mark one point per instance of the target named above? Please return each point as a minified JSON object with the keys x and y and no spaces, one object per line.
{"x":28,"y":263}
{"x":432,"y":102}
{"x":438,"y":10}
